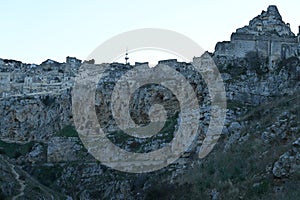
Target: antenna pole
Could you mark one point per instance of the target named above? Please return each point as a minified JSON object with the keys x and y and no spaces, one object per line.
{"x":126,"y":57}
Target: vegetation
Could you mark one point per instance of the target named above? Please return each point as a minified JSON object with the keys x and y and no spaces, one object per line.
{"x":15,"y":150}
{"x":239,"y":173}
{"x":235,"y":71}
{"x":244,"y":170}
{"x":47,"y":175}
{"x":67,"y":131}
{"x":121,"y":139}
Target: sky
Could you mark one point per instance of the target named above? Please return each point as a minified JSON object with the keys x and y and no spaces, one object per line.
{"x":33,"y":31}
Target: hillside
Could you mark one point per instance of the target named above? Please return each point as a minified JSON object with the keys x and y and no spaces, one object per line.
{"x":43,"y":154}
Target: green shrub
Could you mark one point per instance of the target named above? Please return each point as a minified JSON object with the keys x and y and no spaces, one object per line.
{"x":47,"y":175}
{"x":15,"y":150}
{"x":68,"y":131}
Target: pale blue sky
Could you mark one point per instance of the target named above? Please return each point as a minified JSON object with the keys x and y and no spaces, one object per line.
{"x":34,"y":30}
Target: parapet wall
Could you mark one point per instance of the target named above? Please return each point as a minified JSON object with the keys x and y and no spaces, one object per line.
{"x":251,"y":37}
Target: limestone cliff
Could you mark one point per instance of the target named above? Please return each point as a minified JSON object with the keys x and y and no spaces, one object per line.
{"x":257,"y":156}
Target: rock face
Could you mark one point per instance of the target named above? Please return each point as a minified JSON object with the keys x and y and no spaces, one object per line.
{"x":289,"y":162}
{"x":63,"y":149}
{"x":34,"y":117}
{"x":141,"y":102}
{"x":252,"y":80}
{"x":258,"y":67}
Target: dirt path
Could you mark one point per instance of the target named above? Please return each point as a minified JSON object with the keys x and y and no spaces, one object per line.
{"x":21,"y":182}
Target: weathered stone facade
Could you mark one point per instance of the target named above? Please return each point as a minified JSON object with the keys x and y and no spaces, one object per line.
{"x":19,"y":79}
{"x":266,"y":34}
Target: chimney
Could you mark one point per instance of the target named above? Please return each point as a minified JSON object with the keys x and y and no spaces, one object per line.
{"x":299,"y":30}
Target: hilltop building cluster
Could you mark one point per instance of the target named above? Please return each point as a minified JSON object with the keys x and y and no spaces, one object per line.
{"x":17,"y":78}
{"x":266,"y":34}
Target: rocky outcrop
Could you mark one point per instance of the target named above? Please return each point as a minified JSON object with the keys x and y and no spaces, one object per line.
{"x":64,"y":149}
{"x":268,"y":23}
{"x":34,"y":117}
{"x":252,"y":81}
{"x":289,"y":162}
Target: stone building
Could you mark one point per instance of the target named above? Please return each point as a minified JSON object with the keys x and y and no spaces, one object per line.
{"x":17,"y":78}
{"x":266,"y":34}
